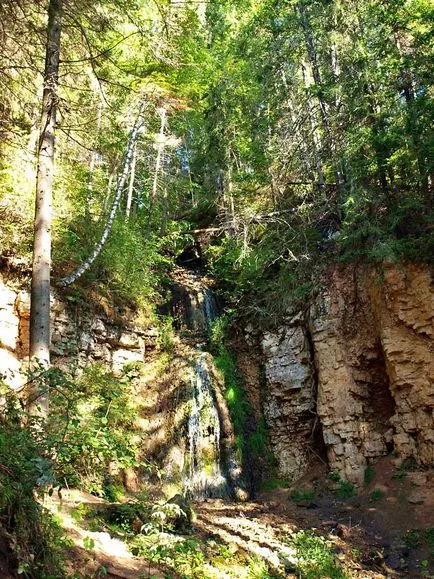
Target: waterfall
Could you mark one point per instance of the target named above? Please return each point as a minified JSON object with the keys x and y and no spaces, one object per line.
{"x":205,"y":478}
{"x":210,"y":464}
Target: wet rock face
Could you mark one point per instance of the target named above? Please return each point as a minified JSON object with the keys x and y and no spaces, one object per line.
{"x":193,"y":305}
{"x":363,"y":362}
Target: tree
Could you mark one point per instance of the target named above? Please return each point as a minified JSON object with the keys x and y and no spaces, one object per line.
{"x":129,"y":154}
{"x":41,"y":270}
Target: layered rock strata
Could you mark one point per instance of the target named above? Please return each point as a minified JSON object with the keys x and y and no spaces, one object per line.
{"x":76,"y":335}
{"x":365,"y":352}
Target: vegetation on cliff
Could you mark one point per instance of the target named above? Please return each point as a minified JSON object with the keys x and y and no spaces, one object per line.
{"x":283,"y":135}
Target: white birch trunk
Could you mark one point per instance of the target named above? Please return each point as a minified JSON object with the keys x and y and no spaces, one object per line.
{"x":115,"y":205}
{"x":131,"y":183}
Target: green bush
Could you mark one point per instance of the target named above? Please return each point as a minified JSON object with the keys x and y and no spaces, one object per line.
{"x":345,"y":489}
{"x":26,"y":469}
{"x":369,"y":474}
{"x":376,"y":495}
{"x":91,"y":427}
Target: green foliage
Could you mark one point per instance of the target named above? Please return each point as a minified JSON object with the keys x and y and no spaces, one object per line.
{"x":315,"y":557}
{"x":303,"y":495}
{"x":251,"y":436}
{"x":368,"y":475}
{"x":166,"y":335}
{"x":429,"y":537}
{"x":91,"y":426}
{"x":407,"y":465}
{"x":412,"y":539}
{"x":25,"y":469}
{"x":345,"y":489}
{"x":376,"y":495}
{"x":196,"y":558}
{"x":234,"y":393}
{"x":131,"y":266}
{"x":275,"y":483}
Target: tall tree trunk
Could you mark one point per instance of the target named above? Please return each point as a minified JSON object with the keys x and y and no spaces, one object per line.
{"x":131,"y":183}
{"x":41,"y":271}
{"x":160,"y":151}
{"x":115,"y":205}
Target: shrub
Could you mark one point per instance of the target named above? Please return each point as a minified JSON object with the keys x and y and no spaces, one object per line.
{"x":91,"y":427}
{"x":26,"y":469}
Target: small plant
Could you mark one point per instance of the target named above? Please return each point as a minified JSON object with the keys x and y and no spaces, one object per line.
{"x":369,"y":474}
{"x":376,"y":495}
{"x":303,"y":495}
{"x":424,"y":572}
{"x":355,"y":553}
{"x":429,"y":537}
{"x":113,"y":491}
{"x":88,"y":543}
{"x":166,"y":335}
{"x":345,"y":489}
{"x":412,"y":539}
{"x":315,"y":557}
{"x":407,"y":465}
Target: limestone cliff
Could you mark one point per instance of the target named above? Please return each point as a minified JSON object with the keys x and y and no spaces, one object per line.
{"x":349,"y":379}
{"x":359,"y":367}
{"x":77,"y":333}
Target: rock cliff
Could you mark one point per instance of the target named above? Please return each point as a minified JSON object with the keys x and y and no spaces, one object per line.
{"x":78,"y":334}
{"x":358,"y":366}
{"x":350,"y":379}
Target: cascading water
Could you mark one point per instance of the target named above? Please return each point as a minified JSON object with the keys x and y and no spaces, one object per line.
{"x":205,"y":478}
{"x":210,"y":466}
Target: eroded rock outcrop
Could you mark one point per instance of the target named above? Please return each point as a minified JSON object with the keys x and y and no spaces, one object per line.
{"x":76,"y":334}
{"x":404,"y":309}
{"x":289,"y":406}
{"x":367,"y":344}
{"x":354,"y":402}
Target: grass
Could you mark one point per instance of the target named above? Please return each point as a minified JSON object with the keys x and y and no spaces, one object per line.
{"x":315,"y":556}
{"x":369,"y":474}
{"x":345,"y":488}
{"x":376,"y":495}
{"x":274,"y":483}
{"x":303,"y":495}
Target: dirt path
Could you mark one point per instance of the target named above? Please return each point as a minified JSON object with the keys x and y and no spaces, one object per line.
{"x":385,"y":532}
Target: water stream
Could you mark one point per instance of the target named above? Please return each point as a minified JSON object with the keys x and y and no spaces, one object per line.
{"x":209,"y":461}
{"x":205,"y":478}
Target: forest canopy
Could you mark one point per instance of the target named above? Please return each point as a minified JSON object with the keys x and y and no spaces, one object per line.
{"x":300,"y":131}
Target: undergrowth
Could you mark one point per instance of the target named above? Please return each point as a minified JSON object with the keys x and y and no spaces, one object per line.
{"x":26,"y":471}
{"x":88,"y":434}
{"x":251,"y":434}
{"x":315,"y":556}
